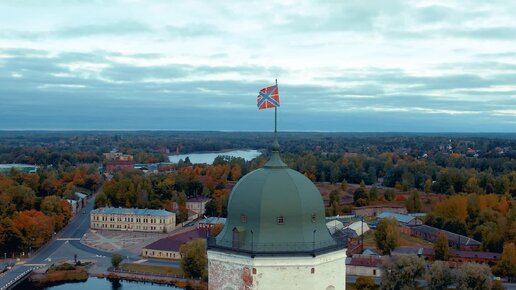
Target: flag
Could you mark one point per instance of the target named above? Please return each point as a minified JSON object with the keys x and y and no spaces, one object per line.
{"x":268,"y":98}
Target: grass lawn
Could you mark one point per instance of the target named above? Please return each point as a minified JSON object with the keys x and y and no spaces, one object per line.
{"x":142,"y":268}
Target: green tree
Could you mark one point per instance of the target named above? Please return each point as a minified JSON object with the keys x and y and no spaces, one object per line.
{"x":413,"y":203}
{"x":116,"y":259}
{"x":388,"y":194}
{"x":473,"y":276}
{"x":387,"y":235}
{"x":344,"y":185}
{"x":193,"y":258}
{"x":402,"y":272}
{"x":440,"y":276}
{"x":365,"y":283}
{"x":361,"y":196}
{"x":373,"y":193}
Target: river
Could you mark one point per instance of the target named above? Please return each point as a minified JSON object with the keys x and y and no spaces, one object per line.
{"x":99,"y":284}
{"x":208,"y":157}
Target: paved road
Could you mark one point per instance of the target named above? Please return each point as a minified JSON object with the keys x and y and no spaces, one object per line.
{"x":73,"y":232}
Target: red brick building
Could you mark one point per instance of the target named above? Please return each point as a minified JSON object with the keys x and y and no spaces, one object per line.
{"x":115,"y":164}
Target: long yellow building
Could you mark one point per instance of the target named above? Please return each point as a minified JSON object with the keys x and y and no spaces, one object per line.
{"x":132,"y":219}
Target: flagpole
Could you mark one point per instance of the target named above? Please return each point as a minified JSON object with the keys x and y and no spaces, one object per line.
{"x":276,"y":117}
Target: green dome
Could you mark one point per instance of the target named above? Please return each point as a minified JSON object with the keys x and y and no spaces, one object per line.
{"x":275,"y":210}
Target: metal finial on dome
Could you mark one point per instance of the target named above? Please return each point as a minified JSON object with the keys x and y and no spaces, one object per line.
{"x":275,"y":160}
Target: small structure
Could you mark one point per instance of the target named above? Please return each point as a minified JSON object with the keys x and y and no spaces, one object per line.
{"x":115,"y":155}
{"x":454,"y":240}
{"x":374,"y":210}
{"x":402,"y":219}
{"x":116,"y":164}
{"x":132,"y":219}
{"x":210,"y":222}
{"x":168,"y":248}
{"x":197,"y":205}
{"x":364,"y":265}
{"x":356,"y":229}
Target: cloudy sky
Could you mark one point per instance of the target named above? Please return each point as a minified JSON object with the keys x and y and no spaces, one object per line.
{"x":358,"y":65}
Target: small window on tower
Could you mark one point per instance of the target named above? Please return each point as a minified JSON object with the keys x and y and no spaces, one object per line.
{"x":281,"y":220}
{"x":312,"y":271}
{"x":243,"y":218}
{"x":314,"y":218}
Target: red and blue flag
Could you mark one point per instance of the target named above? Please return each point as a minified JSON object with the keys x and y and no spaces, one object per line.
{"x":268,"y":98}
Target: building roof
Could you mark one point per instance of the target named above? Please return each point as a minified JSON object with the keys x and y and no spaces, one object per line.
{"x":357,"y":228}
{"x":334,"y":226}
{"x":173,"y":243}
{"x":132,"y":211}
{"x":199,"y":199}
{"x":80,"y":195}
{"x":401,"y":218}
{"x":456,"y":238}
{"x":266,"y":194}
{"x":213,"y":220}
{"x":365,"y":261}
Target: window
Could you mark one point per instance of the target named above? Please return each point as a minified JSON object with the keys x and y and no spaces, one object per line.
{"x":243,"y":218}
{"x":281,"y":220}
{"x":314,"y":218}
{"x":312,"y":271}
{"x":254,"y":271}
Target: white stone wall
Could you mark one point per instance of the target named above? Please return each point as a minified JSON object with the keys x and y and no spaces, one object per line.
{"x":233,"y":272}
{"x":363,"y":271}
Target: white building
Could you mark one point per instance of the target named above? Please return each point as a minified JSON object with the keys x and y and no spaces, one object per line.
{"x":275,"y":235}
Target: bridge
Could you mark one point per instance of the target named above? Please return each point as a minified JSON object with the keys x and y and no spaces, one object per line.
{"x":15,"y":276}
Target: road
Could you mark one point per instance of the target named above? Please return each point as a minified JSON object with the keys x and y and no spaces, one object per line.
{"x":72,"y":233}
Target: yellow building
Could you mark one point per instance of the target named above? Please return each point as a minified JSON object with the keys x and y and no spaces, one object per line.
{"x":132,"y":219}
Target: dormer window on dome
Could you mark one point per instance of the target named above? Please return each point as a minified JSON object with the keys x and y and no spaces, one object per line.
{"x":243,"y":218}
{"x":281,"y":220}
{"x":314,"y":218}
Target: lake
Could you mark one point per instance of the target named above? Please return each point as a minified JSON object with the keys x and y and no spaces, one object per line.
{"x":208,"y":157}
{"x":100,"y":284}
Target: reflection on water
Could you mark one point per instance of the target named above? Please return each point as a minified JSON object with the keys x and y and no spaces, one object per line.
{"x":98,"y":284}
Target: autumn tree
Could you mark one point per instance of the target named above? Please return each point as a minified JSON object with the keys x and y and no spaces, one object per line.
{"x":193,"y":258}
{"x":365,"y":283}
{"x":506,"y":267}
{"x":11,"y":238}
{"x":387,"y":235}
{"x":402,"y":272}
{"x":441,"y":247}
{"x":35,"y":226}
{"x":373,"y":193}
{"x":413,"y":202}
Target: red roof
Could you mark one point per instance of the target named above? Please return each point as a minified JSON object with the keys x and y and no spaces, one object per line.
{"x":173,"y":243}
{"x":366,"y":261}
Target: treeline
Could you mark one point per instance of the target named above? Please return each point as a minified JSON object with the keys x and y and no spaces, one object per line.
{"x":489,"y":218}
{"x":33,"y":205}
{"x":135,"y":189}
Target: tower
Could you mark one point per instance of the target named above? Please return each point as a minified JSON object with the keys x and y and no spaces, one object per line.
{"x":275,"y":236}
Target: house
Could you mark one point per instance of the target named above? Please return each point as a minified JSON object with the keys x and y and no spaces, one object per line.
{"x":374,"y":210}
{"x":197,"y":205}
{"x":210,"y":222}
{"x":116,"y":164}
{"x":364,"y":265}
{"x":402,"y":219}
{"x":454,"y":256}
{"x":454,"y":240}
{"x":356,"y":229}
{"x":168,"y":248}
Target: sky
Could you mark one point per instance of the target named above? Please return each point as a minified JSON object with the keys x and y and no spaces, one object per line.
{"x":350,"y":66}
